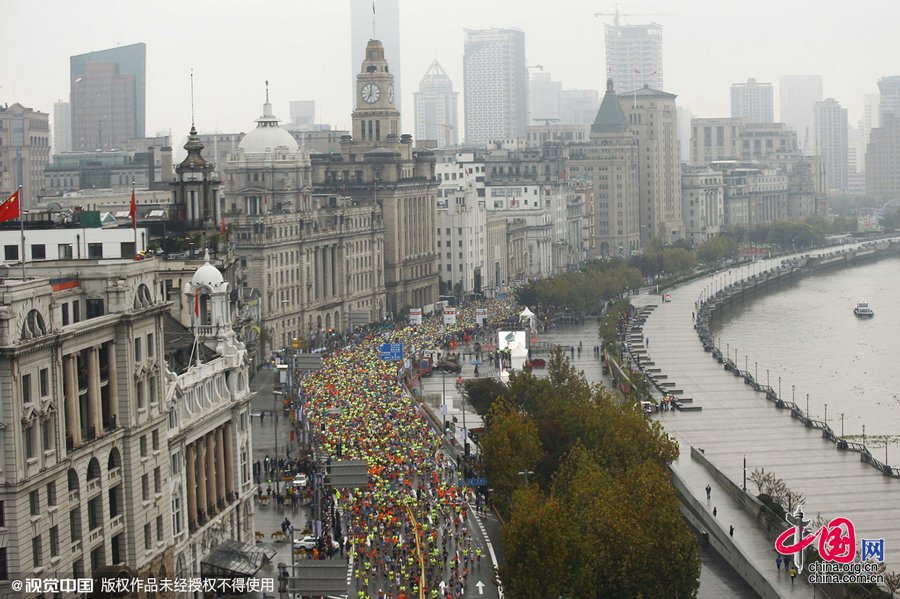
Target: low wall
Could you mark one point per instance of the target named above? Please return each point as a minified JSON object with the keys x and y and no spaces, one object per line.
{"x":696,"y":513}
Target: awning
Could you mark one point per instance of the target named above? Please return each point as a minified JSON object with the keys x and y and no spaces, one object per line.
{"x":232,"y":558}
{"x":156,"y":214}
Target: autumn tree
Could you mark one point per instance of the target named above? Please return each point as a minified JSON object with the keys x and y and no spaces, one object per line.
{"x":510,"y":445}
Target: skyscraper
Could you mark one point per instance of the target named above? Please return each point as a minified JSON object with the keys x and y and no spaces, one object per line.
{"x":889,"y":87}
{"x":62,"y":127}
{"x":831,"y":141}
{"x":437,"y":107}
{"x":375,"y":20}
{"x":578,"y":106}
{"x":496,"y":84}
{"x":108,"y":97}
{"x":752,"y":101}
{"x":798,"y":95}
{"x":634,"y":56}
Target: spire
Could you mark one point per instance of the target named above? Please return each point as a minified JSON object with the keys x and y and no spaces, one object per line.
{"x":267,"y":108}
{"x":192,"y":99}
{"x":610,"y":117}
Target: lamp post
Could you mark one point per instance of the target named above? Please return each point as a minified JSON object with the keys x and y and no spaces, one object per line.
{"x":807,"y":406}
{"x":826,"y":415}
{"x":842,"y":425}
{"x":864,"y":437}
{"x":526,"y":473}
{"x":779,"y":387}
{"x":794,"y":394}
{"x":275,"y":395}
{"x":767,"y":377}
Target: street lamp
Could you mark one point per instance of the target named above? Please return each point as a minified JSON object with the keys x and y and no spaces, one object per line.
{"x":842,"y":425}
{"x":526,"y":473}
{"x":807,"y":406}
{"x":826,"y":415}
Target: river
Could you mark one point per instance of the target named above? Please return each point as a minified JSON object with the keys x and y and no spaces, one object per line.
{"x":806,"y":333}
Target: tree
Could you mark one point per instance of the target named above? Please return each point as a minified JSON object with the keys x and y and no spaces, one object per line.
{"x":510,"y":445}
{"x":534,"y":546}
{"x":482,"y":392}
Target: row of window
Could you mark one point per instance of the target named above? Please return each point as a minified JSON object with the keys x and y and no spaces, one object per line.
{"x":64,"y":251}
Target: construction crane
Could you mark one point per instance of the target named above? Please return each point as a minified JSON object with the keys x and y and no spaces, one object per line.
{"x":536,"y":66}
{"x":617,"y":14}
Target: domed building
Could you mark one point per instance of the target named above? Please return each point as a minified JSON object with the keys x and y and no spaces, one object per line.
{"x":268,"y":172}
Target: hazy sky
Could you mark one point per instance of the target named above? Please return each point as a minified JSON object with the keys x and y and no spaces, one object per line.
{"x":303,"y":48}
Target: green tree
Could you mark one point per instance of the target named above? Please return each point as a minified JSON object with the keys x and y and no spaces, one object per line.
{"x":482,"y":392}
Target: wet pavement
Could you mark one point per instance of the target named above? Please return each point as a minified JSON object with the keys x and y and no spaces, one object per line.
{"x":737,"y":421}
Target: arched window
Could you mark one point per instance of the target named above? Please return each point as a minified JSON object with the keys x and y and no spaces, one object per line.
{"x":73,"y":480}
{"x":93,"y":470}
{"x":115,"y":459}
{"x":33,"y":326}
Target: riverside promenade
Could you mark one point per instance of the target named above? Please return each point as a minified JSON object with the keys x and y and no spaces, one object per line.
{"x":737,"y":421}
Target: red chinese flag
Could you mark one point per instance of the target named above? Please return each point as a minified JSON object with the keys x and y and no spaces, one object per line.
{"x":197,"y":302}
{"x":133,"y":211}
{"x":223,"y":227}
{"x":10,"y":208}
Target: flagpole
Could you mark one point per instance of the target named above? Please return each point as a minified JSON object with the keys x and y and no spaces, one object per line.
{"x":22,"y":228}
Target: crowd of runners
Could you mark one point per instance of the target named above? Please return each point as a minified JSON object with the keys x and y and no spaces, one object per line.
{"x":410,"y":529}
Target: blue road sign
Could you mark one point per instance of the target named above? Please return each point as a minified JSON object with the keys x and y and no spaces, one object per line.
{"x":391,"y":351}
{"x":476,"y":482}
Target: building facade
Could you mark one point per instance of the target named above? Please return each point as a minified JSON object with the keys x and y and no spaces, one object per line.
{"x":108,"y":97}
{"x":578,"y":106}
{"x":652,"y":119}
{"x":436,"y":108}
{"x":24,"y":152}
{"x":85,"y":425}
{"x":703,"y":203}
{"x":496,"y":85}
{"x":753,"y":195}
{"x":609,"y":162}
{"x":889,"y":96}
{"x":752,"y":101}
{"x":544,"y":97}
{"x":634,"y":57}
{"x":832,"y":142}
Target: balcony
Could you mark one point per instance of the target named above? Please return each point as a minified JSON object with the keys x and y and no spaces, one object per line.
{"x":117,"y":522}
{"x":114,"y":474}
{"x":76,"y":546}
{"x":95,"y":535}
{"x":93,"y":485}
{"x":73,"y":497}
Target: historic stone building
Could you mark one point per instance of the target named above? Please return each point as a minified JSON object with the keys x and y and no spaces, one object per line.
{"x":378,"y":168}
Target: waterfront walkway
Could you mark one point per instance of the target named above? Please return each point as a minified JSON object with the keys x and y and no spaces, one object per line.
{"x":737,"y":421}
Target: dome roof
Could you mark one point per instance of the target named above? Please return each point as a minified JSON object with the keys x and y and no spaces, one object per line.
{"x":207,"y":275}
{"x":268,"y":135}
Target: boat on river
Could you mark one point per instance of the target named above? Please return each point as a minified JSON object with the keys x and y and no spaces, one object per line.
{"x":862,"y":309}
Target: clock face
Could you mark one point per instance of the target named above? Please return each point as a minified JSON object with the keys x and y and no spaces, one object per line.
{"x":370,"y":93}
{"x":390,"y":93}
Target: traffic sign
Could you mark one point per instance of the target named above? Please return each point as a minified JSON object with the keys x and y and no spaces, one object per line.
{"x":477,"y":482}
{"x":391,"y":351}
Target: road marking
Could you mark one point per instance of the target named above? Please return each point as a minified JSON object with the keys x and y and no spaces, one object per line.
{"x":480,"y":586}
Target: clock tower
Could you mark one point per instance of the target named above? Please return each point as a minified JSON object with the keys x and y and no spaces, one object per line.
{"x":376,"y":120}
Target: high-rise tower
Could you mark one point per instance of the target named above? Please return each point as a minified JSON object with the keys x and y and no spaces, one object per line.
{"x":798,"y":95}
{"x":634,"y":56}
{"x":752,"y":101}
{"x":436,"y":107}
{"x":108,"y":97}
{"x":496,"y":84}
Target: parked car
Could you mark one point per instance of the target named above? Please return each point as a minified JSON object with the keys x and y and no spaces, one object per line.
{"x":538,"y":363}
{"x":309,"y":542}
{"x":300,"y":480}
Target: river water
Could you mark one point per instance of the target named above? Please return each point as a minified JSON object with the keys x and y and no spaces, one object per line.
{"x":806,"y":333}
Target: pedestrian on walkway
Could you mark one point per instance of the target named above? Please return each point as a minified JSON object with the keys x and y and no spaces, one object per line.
{"x":793,"y":574}
{"x":714,"y":511}
{"x":647,"y":341}
{"x":778,"y":562}
{"x":708,"y":492}
{"x":731,"y":531}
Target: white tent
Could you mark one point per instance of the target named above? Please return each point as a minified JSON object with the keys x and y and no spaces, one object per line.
{"x":526,"y":317}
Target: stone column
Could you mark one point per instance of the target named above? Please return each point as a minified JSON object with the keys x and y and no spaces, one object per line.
{"x":93,"y":393}
{"x":113,"y":384}
{"x":326,"y":283}
{"x":73,"y":413}
{"x":221,"y":465}
{"x":191,"y":485}
{"x":201,"y":475}
{"x":229,"y":458}
{"x":208,"y":440}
